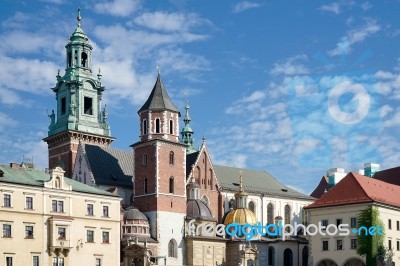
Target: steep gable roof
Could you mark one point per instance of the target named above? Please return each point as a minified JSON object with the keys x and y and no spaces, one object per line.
{"x":110,"y":166}
{"x":159,"y":99}
{"x":355,"y":188}
{"x":254,"y":181}
{"x":37,"y":178}
{"x":321,"y":188}
{"x":391,"y":175}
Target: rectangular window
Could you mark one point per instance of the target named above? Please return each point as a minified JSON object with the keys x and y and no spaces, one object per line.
{"x":6,"y":230}
{"x":106,"y":237}
{"x":325,"y":223}
{"x":390,"y":244}
{"x":145,"y":185}
{"x":7,"y":200}
{"x":398,"y":245}
{"x":55,"y":261}
{"x":57,"y":206}
{"x":105,"y":211}
{"x":60,"y":261}
{"x":9,"y":261}
{"x":397,"y":225}
{"x":28,"y":231}
{"x":87,"y":106}
{"x":98,"y":262}
{"x":338,"y":222}
{"x":90,"y":209}
{"x":35,"y":261}
{"x":90,"y":236}
{"x":63,"y":105}
{"x":29,"y":203}
{"x":390,"y":223}
{"x":353,"y":222}
{"x":61,"y":232}
{"x":339,"y":244}
{"x":325,"y":245}
{"x":353,"y":243}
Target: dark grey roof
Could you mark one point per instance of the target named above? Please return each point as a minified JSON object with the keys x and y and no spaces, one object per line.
{"x":159,"y":99}
{"x":190,"y":161}
{"x":254,"y":182}
{"x":196,"y":209}
{"x":132,"y":213}
{"x":110,"y":166}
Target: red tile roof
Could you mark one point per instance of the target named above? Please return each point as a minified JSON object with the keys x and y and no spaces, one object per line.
{"x":355,"y":188}
{"x":321,"y":188}
{"x":391,"y":176}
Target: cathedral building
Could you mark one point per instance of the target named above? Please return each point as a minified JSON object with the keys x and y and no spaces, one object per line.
{"x":166,"y":183}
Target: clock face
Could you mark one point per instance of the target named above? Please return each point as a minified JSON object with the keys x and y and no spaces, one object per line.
{"x":88,"y":86}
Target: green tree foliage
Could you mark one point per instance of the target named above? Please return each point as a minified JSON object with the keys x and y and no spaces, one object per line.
{"x":370,"y":245}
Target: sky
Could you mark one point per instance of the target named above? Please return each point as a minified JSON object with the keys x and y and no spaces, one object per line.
{"x":293,"y":88}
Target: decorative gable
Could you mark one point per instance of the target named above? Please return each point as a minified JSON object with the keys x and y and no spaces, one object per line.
{"x":57,"y":180}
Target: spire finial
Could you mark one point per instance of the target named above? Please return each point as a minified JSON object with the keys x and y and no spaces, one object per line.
{"x":158,"y":69}
{"x":78,"y":17}
{"x":99,"y":75}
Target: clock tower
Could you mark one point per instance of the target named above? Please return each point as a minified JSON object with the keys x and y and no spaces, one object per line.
{"x":79,"y":116}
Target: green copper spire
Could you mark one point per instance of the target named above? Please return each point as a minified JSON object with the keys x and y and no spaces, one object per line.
{"x":187,"y":132}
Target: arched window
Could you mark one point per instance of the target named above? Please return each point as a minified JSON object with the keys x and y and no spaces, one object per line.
{"x":211,"y":178}
{"x":205,"y":200}
{"x":83,"y":59}
{"x":172,"y":252}
{"x":288,"y":257}
{"x":271,"y":256}
{"x":171,"y":184}
{"x":69,"y":59}
{"x":171,"y":127}
{"x":304,"y":261}
{"x":287,"y":214}
{"x":252,"y":206}
{"x":270,"y":213}
{"x":144,"y":129}
{"x":145,"y":185}
{"x":232,"y":204}
{"x":58,"y":182}
{"x":171,"y":157}
{"x":199,"y":175}
{"x":157,"y":125}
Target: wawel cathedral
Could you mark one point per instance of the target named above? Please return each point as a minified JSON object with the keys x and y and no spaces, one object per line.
{"x":164,"y":180}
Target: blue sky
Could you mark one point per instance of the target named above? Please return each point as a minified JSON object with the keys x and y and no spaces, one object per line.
{"x":290,"y":87}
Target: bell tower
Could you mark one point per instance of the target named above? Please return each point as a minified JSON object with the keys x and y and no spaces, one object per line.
{"x":160,"y":172}
{"x":78,"y":116}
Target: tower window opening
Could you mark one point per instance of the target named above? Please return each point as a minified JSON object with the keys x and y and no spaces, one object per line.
{"x":76,"y":57}
{"x":145,"y":186}
{"x":171,"y":127}
{"x":144,"y":158}
{"x":83,"y":59}
{"x":171,"y":157}
{"x":63,"y":105}
{"x":69,"y":55}
{"x":157,"y":125}
{"x":171,"y":185}
{"x":88,"y":106}
{"x":144,"y":130}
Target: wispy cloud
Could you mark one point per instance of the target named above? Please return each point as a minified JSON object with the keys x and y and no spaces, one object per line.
{"x":120,"y":8}
{"x":290,"y":66}
{"x":332,"y":7}
{"x":6,"y":121}
{"x":366,"y":5}
{"x":245,"y":5}
{"x":344,"y":46}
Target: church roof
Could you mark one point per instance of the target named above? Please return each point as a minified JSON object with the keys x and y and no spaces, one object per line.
{"x":159,"y":99}
{"x":321,"y":188}
{"x":254,"y":182}
{"x":133,"y":213}
{"x":391,"y":175}
{"x":196,"y":209}
{"x":34,"y":177}
{"x":355,"y":188}
{"x":110,"y":166}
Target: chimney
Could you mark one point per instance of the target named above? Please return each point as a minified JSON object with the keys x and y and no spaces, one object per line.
{"x":15,"y":166}
{"x":370,"y":169}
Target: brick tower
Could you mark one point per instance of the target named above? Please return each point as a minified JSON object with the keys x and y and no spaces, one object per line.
{"x":78,"y":115}
{"x":160,"y":170}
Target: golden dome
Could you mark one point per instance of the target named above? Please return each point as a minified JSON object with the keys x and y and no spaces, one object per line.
{"x":241,"y":216}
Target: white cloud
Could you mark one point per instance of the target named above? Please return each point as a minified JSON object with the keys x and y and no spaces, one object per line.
{"x":355,"y":36}
{"x":291,"y":66}
{"x":366,"y":5}
{"x":333,"y":8}
{"x":164,"y":21}
{"x":120,"y":8}
{"x":245,"y":5}
{"x":6,"y":121}
{"x":9,"y":97}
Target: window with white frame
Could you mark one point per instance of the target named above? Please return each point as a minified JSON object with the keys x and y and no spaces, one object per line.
{"x":7,"y":230}
{"x":7,"y":200}
{"x":90,"y":209}
{"x":106,"y":211}
{"x":29,"y":203}
{"x":35,"y":260}
{"x":28,"y":231}
{"x":106,"y":237}
{"x":57,"y":206}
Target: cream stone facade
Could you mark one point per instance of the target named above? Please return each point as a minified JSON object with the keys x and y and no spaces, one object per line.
{"x":51,"y":220}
